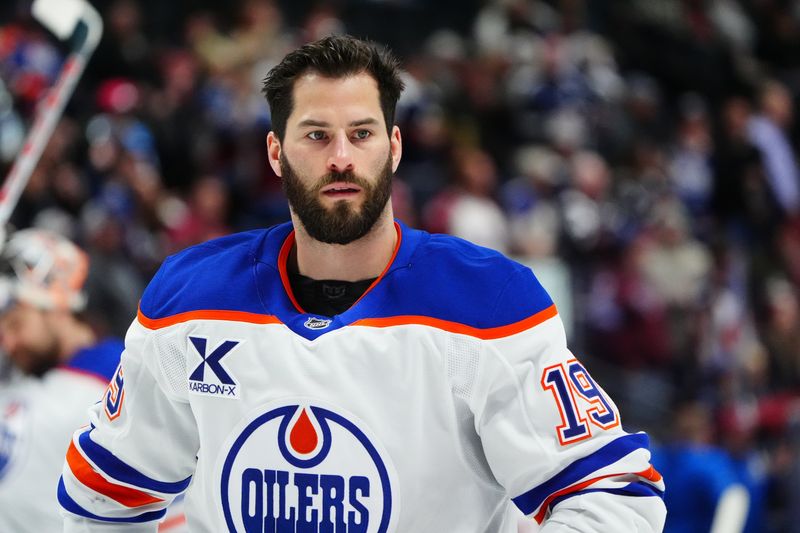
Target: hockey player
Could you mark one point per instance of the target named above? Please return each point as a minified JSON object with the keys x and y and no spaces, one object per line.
{"x":61,"y":369}
{"x":344,"y":372}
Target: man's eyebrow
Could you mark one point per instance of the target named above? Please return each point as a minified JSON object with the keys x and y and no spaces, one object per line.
{"x":313,"y":123}
{"x":364,"y":122}
{"x":310,"y":122}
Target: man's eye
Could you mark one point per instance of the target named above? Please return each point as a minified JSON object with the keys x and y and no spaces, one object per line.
{"x":316,"y":135}
{"x":362,"y":134}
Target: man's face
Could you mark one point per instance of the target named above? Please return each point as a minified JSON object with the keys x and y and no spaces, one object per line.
{"x":336,"y":159}
{"x":344,"y":221}
{"x":27,"y":338}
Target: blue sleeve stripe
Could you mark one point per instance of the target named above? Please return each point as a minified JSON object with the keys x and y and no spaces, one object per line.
{"x":72,"y":506}
{"x":608,"y":454}
{"x":637,"y":489}
{"x":108,"y":463}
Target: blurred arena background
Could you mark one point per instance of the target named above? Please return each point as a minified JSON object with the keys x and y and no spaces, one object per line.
{"x":640,"y":155}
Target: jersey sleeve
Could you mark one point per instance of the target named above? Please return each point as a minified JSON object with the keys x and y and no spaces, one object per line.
{"x":551,"y":435}
{"x":138,"y":452}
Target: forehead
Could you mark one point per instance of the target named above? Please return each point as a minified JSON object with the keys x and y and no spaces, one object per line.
{"x":318,"y":97}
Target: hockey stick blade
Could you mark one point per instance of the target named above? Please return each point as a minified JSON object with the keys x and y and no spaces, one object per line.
{"x":59,"y":16}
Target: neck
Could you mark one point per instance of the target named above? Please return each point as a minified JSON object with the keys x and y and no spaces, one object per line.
{"x":74,"y":335}
{"x":364,"y":258}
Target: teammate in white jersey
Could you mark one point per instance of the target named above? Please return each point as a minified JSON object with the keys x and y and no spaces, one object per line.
{"x":61,"y":369}
{"x":345,"y":373}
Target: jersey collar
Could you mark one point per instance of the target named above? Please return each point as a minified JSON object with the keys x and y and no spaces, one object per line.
{"x":279,"y":300}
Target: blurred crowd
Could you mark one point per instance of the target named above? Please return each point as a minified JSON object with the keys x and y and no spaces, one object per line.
{"x":647,"y":147}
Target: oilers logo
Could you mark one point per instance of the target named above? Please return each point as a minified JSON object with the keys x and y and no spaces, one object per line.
{"x":304,"y":468}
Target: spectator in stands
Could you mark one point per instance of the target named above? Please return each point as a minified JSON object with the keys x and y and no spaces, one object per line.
{"x":690,"y":168}
{"x":782,"y":335}
{"x":744,"y":201}
{"x":531,"y":202}
{"x":468,"y":209}
{"x":769,"y":132}
{"x":590,"y":215}
{"x":675,"y":263}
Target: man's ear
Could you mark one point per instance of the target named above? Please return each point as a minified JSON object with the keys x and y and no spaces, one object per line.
{"x":274,"y":153}
{"x":396,"y":147}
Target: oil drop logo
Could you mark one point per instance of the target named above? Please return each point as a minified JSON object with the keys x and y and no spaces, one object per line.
{"x":307,"y":467}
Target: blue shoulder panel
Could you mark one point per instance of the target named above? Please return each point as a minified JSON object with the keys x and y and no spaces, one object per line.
{"x":218,"y":274}
{"x":448,"y":278}
{"x":101,"y":359}
{"x":434,"y":276}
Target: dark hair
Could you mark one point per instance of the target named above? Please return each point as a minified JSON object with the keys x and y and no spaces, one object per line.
{"x":335,"y":57}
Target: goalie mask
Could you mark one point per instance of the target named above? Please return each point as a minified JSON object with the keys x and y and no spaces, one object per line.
{"x":42,"y":269}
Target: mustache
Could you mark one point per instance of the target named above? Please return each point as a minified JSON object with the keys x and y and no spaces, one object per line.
{"x":347,"y":176}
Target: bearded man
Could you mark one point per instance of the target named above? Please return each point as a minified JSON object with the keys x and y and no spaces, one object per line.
{"x":343,"y":372}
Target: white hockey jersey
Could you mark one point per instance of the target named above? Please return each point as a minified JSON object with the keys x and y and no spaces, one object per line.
{"x":37,"y":420}
{"x":442,"y":395}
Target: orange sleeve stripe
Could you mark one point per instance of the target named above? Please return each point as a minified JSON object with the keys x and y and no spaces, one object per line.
{"x":205,"y":314}
{"x":455,"y":327}
{"x":84,"y":472}
{"x":650,"y":474}
{"x":169,"y":523}
{"x":574,"y":488}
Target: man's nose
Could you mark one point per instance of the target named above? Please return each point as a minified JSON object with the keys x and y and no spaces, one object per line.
{"x":340,"y":158}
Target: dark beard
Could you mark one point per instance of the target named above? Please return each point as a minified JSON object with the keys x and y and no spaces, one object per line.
{"x":39,"y":361}
{"x":42,"y":365}
{"x":342,"y":224}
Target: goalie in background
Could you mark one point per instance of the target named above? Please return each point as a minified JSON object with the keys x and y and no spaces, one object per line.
{"x":61,"y":368}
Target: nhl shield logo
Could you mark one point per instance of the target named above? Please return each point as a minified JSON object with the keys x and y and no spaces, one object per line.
{"x":305,"y":467}
{"x":317,"y":323}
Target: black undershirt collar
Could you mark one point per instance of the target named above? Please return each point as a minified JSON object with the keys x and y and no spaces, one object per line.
{"x":326,"y":297}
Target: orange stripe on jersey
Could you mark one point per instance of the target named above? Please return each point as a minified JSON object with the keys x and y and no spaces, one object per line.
{"x":205,"y":314}
{"x":651,"y":474}
{"x":574,"y":488}
{"x":283,"y":259}
{"x":455,"y":327}
{"x":388,"y":265}
{"x":170,"y":523}
{"x":84,"y":472}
